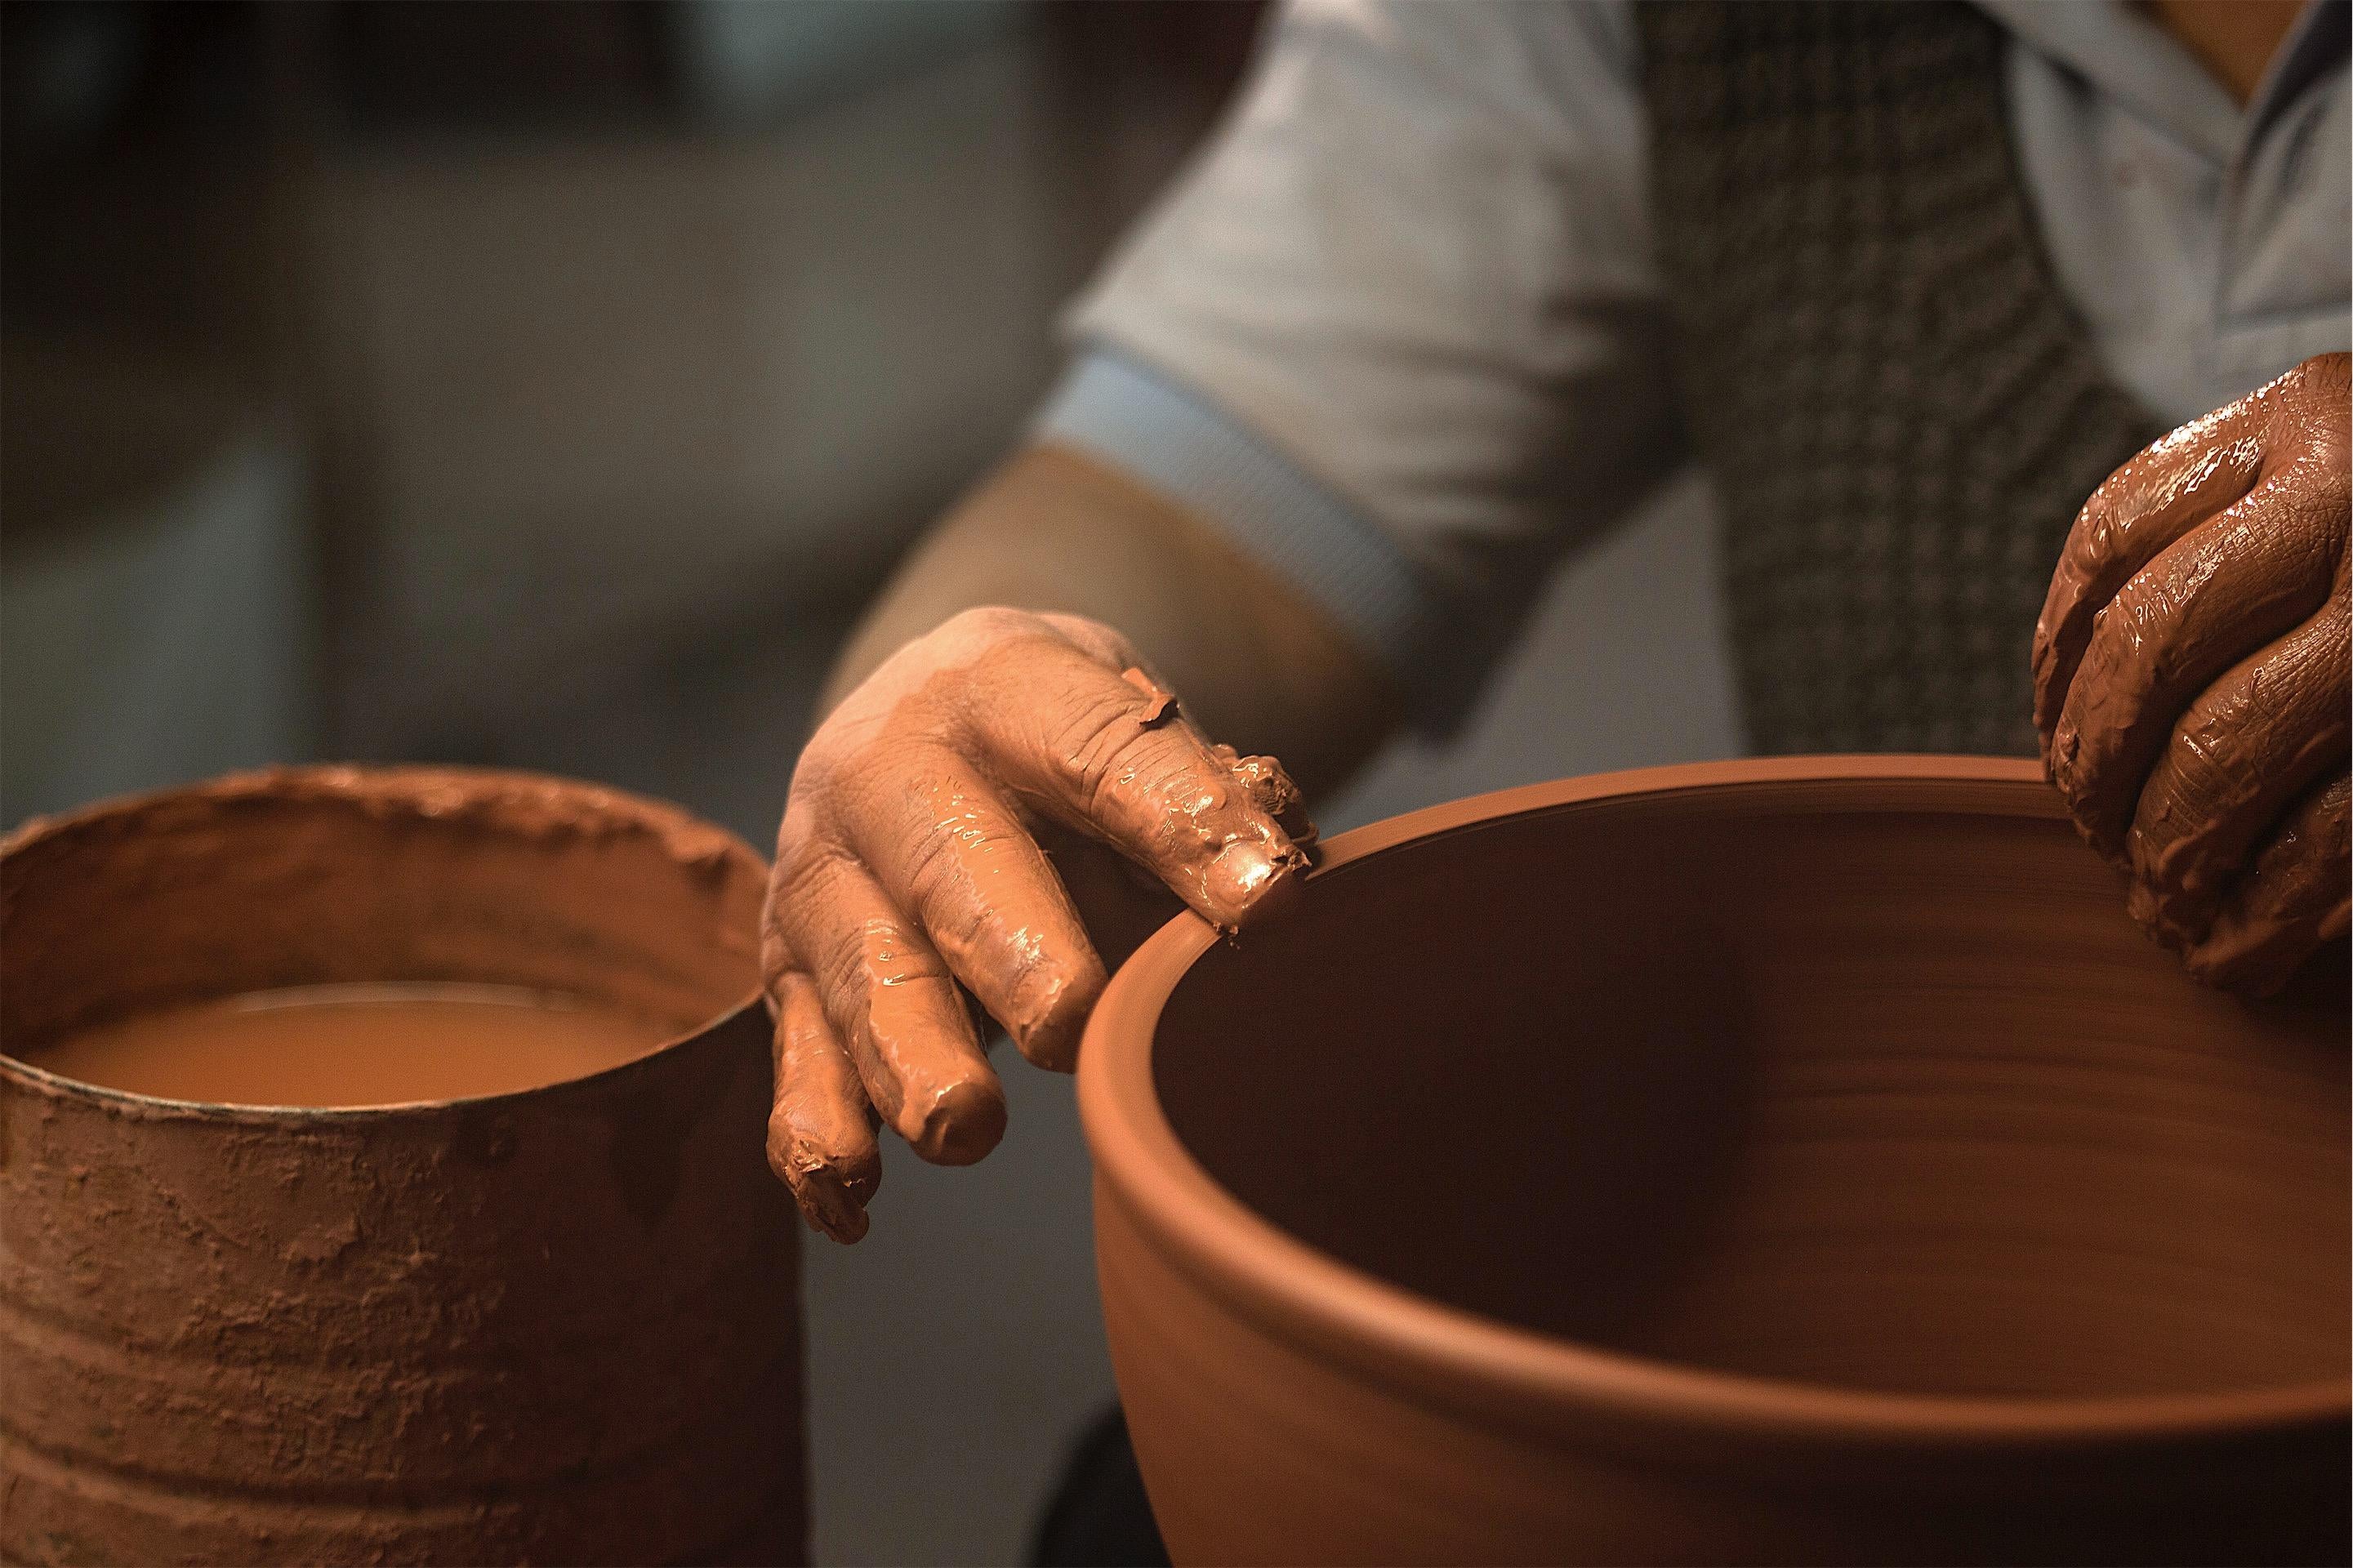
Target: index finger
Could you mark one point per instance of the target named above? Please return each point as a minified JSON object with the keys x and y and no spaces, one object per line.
{"x":1117,"y":759}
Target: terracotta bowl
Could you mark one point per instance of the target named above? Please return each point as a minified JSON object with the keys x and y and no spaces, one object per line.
{"x":1797,"y":1161}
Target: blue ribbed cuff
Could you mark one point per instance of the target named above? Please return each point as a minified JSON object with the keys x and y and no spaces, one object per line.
{"x":1135,"y":418}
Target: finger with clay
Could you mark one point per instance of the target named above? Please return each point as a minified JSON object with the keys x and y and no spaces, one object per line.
{"x":910,"y":871}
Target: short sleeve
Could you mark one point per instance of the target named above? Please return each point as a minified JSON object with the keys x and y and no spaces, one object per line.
{"x":1399,"y":329}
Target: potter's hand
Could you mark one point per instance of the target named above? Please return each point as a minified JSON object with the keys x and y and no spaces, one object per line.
{"x":2191,"y":679}
{"x":913,"y":867}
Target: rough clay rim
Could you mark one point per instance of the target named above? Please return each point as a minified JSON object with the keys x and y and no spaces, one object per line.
{"x":328,"y":781}
{"x":1331,"y":1307}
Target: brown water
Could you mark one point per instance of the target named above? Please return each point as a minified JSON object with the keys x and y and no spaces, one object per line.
{"x":355,"y":1045}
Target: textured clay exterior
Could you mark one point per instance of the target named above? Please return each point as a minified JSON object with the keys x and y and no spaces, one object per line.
{"x":1790,"y":1160}
{"x":555,"y":1326}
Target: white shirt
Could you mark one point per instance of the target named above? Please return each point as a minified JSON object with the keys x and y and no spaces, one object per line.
{"x":1366,"y":329}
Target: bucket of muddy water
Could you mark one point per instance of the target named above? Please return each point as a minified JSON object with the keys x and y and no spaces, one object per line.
{"x":1800,"y":1161}
{"x":381,"y":1180}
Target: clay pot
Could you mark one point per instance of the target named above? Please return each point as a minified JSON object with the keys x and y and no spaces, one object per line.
{"x":553,"y":1326}
{"x":1799,"y":1161}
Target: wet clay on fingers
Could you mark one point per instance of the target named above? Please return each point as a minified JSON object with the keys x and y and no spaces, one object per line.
{"x":910,"y":873}
{"x":1785,"y":1161}
{"x":552,"y":1325}
{"x":2191,"y":681}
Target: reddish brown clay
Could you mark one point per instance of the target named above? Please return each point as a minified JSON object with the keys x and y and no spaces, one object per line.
{"x":1797,"y":1161}
{"x":2191,"y":679}
{"x":555,"y":1326}
{"x":343,"y":1046}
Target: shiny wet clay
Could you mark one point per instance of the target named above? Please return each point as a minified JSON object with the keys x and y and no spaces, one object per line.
{"x":347,"y":1046}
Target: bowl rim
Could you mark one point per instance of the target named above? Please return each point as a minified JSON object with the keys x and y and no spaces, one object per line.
{"x":1333,"y":1309}
{"x":427,"y":790}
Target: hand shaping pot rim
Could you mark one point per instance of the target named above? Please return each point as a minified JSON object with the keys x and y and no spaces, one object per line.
{"x":429,"y":790}
{"x":1314,"y":1299}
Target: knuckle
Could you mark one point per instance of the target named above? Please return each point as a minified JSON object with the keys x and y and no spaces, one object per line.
{"x":1128,"y":771}
{"x":2092,"y":535}
{"x":776,"y":951}
{"x":2323,"y":376}
{"x":877,"y":952}
{"x":840,"y":956}
{"x":1103,"y":740}
{"x":2129,"y":623}
{"x":800,"y":867}
{"x":778,"y":956}
{"x":2073,"y":779}
{"x":1097,"y":640}
{"x":983,"y":626}
{"x":953,"y":908}
{"x":2163,"y":893}
{"x":985,"y":618}
{"x":2072,"y":768}
{"x":798,"y":894}
{"x":831,"y":752}
{"x":932,"y":868}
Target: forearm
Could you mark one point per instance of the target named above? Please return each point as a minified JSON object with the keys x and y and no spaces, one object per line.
{"x":1258,"y":665}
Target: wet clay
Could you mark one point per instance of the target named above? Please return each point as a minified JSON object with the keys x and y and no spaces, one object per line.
{"x":909,"y":873}
{"x":552,"y":1325}
{"x":1793,"y":1160}
{"x":350,"y":1045}
{"x":2191,"y":679}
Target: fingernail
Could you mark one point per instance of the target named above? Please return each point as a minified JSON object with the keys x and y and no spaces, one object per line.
{"x":963,"y":1123}
{"x":1246,"y":872}
{"x":824,"y":1195}
{"x":1054,"y":1008}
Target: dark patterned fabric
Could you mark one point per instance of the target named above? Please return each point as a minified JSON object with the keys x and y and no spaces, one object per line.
{"x":1898,"y":406}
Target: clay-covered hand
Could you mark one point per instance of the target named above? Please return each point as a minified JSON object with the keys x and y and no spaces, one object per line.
{"x":996,"y":791}
{"x":2191,"y":679}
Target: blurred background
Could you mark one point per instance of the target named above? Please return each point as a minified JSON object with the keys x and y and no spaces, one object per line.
{"x":548,"y":386}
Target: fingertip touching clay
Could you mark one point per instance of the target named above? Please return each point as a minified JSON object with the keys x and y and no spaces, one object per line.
{"x":909,"y":873}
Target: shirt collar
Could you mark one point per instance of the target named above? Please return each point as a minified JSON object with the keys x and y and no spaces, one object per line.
{"x":2320,"y":41}
{"x":2128,"y":57}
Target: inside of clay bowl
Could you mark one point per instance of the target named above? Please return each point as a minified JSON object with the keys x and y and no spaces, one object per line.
{"x":330,"y":877}
{"x":1867,"y":1083}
